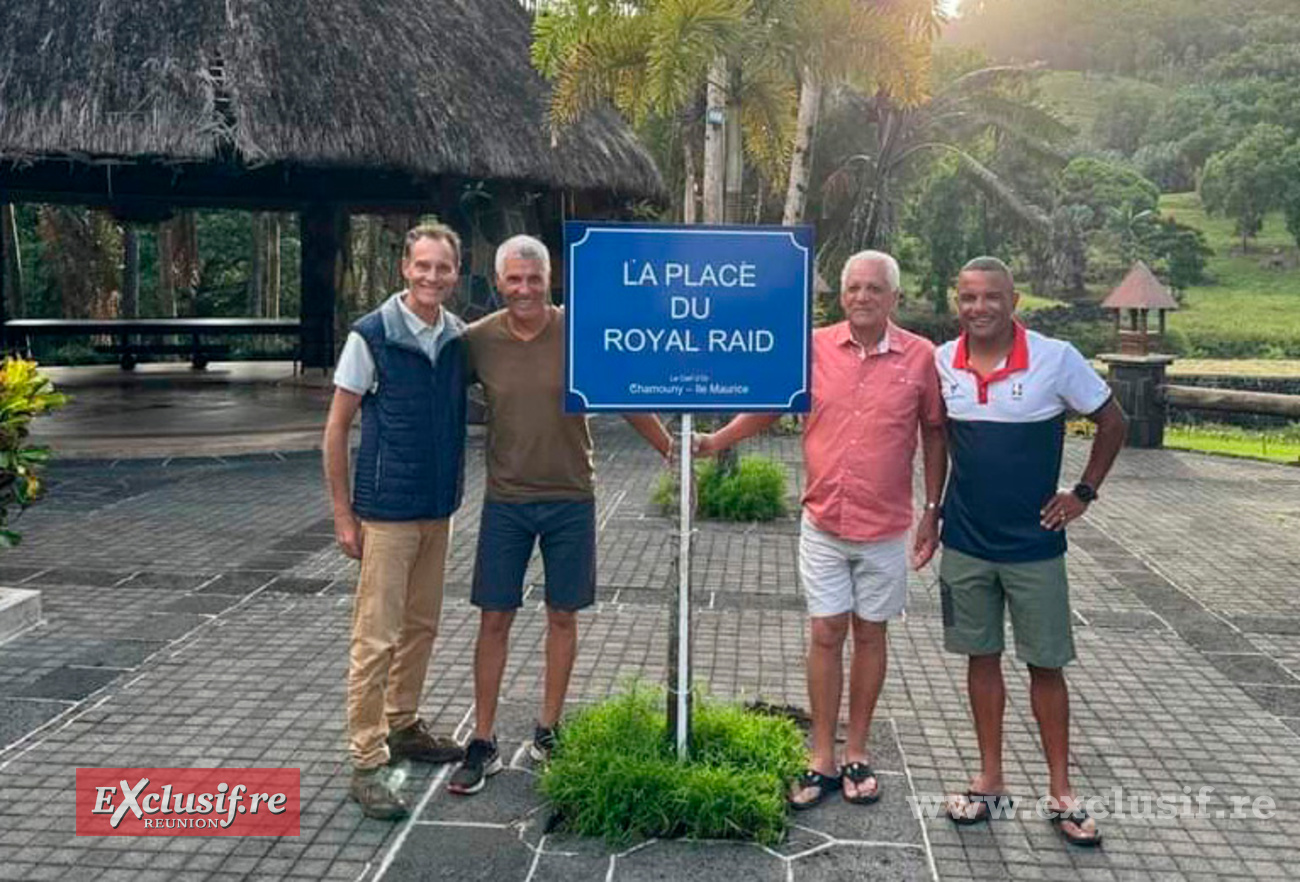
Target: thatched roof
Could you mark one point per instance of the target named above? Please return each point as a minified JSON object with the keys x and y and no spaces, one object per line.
{"x":419,"y":88}
{"x":1140,"y":290}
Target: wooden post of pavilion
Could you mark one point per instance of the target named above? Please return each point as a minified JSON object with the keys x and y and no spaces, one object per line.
{"x":324,"y":229}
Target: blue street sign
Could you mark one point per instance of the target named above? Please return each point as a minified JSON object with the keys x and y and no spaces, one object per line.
{"x":687,"y":318}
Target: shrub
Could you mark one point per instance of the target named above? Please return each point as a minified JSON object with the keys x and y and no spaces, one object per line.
{"x":753,"y":491}
{"x":24,"y":393}
{"x":615,"y":774}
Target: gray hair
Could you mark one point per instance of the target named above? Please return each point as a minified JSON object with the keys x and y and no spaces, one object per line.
{"x":892,"y":275}
{"x":988,"y":264}
{"x":523,"y":247}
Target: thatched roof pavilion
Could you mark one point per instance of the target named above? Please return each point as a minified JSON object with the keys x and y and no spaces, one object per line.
{"x":320,"y":108}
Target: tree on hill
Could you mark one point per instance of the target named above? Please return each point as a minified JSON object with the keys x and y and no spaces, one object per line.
{"x":1104,"y":187}
{"x":1176,"y":252}
{"x":1291,"y":193}
{"x":878,"y":150}
{"x":1244,"y":183}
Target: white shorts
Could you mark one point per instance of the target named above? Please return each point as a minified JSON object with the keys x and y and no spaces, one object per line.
{"x":839,"y":576}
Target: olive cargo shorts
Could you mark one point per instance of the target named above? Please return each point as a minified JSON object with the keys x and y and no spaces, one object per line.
{"x":973,"y":593}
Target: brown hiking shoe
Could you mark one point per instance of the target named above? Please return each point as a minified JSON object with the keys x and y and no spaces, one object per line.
{"x":418,"y":744}
{"x":378,"y":792}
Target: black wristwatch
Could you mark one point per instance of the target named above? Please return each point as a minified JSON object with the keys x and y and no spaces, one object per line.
{"x":1084,"y":492}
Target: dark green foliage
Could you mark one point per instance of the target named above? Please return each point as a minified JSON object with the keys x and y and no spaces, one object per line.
{"x":225,"y":254}
{"x":1123,"y":118}
{"x":1290,"y":196}
{"x":1104,"y":187}
{"x":943,"y":222}
{"x":935,"y":327}
{"x":1246,"y":182}
{"x":1164,"y":165}
{"x":753,"y":491}
{"x":615,"y":774}
{"x":1177,"y":253}
{"x":1089,"y":327}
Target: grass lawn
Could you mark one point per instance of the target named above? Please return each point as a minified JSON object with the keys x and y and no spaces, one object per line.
{"x":1030,"y":303}
{"x":1230,"y":441}
{"x":1236,"y":367}
{"x":1250,"y":306}
{"x":1272,"y":368}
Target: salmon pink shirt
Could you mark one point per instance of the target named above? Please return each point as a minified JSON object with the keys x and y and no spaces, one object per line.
{"x":860,"y":438}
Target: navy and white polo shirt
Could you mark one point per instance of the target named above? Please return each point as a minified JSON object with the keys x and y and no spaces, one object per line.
{"x":1006,"y":434}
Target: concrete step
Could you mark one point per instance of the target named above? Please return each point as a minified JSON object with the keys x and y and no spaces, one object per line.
{"x":20,"y":608}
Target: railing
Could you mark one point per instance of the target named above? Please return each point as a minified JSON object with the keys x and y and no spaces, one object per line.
{"x":1232,"y":400}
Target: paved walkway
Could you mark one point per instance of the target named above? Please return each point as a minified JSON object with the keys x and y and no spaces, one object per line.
{"x":168,"y":409}
{"x":196,"y":613}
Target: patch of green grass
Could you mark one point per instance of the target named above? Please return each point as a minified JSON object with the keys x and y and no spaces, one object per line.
{"x":1250,"y":309}
{"x":1272,"y":368}
{"x":1032,"y":303}
{"x":1236,"y":367}
{"x":614,"y":773}
{"x":1277,"y":446}
{"x":754,"y":491}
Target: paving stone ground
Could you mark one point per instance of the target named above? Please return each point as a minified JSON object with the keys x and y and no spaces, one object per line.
{"x":196,"y":613}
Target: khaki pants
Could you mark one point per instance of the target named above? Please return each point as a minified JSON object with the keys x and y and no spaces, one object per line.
{"x":394,"y":621}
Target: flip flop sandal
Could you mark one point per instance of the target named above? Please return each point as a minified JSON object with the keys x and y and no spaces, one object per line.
{"x":859,"y":773}
{"x":1076,"y":816}
{"x":985,"y":801}
{"x":825,"y":784}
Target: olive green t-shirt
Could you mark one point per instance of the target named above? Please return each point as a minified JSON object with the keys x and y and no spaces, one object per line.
{"x":535,"y":451}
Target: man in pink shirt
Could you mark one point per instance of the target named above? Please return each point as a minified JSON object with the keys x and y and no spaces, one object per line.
{"x":874,"y":385}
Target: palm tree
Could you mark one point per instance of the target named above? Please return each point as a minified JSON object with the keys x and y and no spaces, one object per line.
{"x":649,"y":58}
{"x":989,"y":107}
{"x":878,"y":46}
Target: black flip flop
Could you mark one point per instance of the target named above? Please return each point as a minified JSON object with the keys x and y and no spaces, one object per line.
{"x":825,"y":784}
{"x":858,"y":773}
{"x":985,"y":801}
{"x":1076,"y":816}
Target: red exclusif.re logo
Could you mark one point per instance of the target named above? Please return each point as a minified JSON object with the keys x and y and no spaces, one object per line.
{"x":188,"y":802}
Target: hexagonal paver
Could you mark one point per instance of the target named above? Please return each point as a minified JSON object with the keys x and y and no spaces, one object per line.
{"x":851,"y":863}
{"x":508,"y":796}
{"x":460,"y":854}
{"x":888,"y":820}
{"x":687,"y":861}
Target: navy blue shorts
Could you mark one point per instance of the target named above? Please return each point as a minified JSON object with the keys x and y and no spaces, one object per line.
{"x":506,"y":535}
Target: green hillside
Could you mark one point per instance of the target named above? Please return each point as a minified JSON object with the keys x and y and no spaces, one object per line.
{"x":1251,"y":308}
{"x":1077,"y":96}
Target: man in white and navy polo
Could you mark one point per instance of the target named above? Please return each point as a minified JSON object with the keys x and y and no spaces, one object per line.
{"x":1007,"y":392}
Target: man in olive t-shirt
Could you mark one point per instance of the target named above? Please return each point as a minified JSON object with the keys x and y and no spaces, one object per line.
{"x":540,"y":489}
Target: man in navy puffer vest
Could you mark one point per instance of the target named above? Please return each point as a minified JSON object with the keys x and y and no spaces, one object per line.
{"x":404,"y":368}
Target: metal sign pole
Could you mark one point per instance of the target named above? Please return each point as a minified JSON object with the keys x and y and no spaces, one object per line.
{"x":683,"y":673}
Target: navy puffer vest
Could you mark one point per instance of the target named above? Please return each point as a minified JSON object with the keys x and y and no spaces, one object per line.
{"x":411,"y":465}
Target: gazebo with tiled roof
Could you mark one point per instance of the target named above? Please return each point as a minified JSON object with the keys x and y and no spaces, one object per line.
{"x":1138,"y":294}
